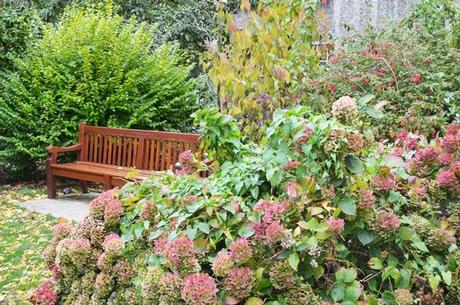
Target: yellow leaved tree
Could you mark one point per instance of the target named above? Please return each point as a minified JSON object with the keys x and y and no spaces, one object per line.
{"x":265,"y":57}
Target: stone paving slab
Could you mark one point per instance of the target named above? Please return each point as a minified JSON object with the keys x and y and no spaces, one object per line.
{"x":73,"y":207}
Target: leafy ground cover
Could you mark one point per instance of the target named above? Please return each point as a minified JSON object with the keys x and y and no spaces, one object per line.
{"x":23,"y":236}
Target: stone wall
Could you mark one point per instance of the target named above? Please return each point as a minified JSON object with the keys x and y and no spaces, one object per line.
{"x":346,"y":17}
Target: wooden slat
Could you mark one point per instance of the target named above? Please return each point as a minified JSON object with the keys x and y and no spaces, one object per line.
{"x":174,"y":155}
{"x":95,"y":140}
{"x":100,"y":148}
{"x":86,"y":149}
{"x":109,"y":149}
{"x":158,"y":155}
{"x":119,"y":150}
{"x":130,"y":153}
{"x":168,"y":156}
{"x":151,"y":160}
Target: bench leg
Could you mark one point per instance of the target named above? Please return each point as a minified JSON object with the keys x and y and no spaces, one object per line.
{"x":84,"y":187}
{"x":51,"y":182}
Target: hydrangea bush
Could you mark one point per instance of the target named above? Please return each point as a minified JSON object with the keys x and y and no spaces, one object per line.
{"x":318,"y":213}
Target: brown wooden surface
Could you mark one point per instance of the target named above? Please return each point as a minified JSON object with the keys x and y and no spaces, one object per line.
{"x":109,"y":155}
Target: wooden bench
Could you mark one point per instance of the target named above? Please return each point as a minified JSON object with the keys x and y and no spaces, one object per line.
{"x":110,"y":155}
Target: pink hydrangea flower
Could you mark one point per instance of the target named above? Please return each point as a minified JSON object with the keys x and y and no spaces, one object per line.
{"x":270,"y":209}
{"x":446,"y":178}
{"x":402,"y":137}
{"x":366,"y":199}
{"x":453,"y":129}
{"x":160,"y":246}
{"x":420,"y":192}
{"x":199,"y":289}
{"x":384,"y":183}
{"x":445,"y":159}
{"x":61,"y":231}
{"x":387,"y":221}
{"x":344,"y":108}
{"x":44,"y":294}
{"x":397,"y":151}
{"x":97,"y":205}
{"x":186,"y":159}
{"x":148,"y":211}
{"x":112,"y":244}
{"x":336,"y":225}
{"x":180,"y":253}
{"x":56,"y":272}
{"x":449,"y":144}
{"x":274,"y":232}
{"x":240,"y":250}
{"x":426,"y":155}
{"x":416,"y":78}
{"x":240,"y":282}
{"x":222,"y":264}
{"x":455,"y":168}
{"x":112,"y":212}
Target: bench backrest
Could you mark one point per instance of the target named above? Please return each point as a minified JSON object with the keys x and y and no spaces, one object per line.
{"x":142,"y":149}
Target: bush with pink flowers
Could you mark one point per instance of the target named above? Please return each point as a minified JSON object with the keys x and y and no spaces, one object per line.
{"x":306,"y":217}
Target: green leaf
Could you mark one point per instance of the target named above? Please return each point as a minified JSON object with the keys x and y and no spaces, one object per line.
{"x":246,"y":231}
{"x":366,"y":99}
{"x":447,"y":277}
{"x":348,"y":206}
{"x":294,"y":260}
{"x":365,"y":237}
{"x":374,"y":113}
{"x":352,"y":293}
{"x":254,"y":301}
{"x":417,"y":243}
{"x":434,"y":281}
{"x":375,"y":263}
{"x":404,"y":279}
{"x":345,"y":275}
{"x":354,"y":164}
{"x":338,"y":292}
{"x":203,"y":227}
{"x":405,"y":233}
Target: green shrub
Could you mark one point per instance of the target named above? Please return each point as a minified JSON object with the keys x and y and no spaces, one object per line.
{"x":94,"y":67}
{"x":412,"y":70}
{"x":315,"y":213}
{"x":19,"y":28}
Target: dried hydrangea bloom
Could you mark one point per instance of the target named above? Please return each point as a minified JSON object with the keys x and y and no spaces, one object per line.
{"x":148,"y":211}
{"x":49,"y":254}
{"x":355,"y":141}
{"x":199,"y":289}
{"x":180,"y":254}
{"x":388,"y":221}
{"x":160,"y":246}
{"x":440,"y":239}
{"x":404,"y":296}
{"x":222,"y":264}
{"x":104,"y":262}
{"x":103,"y":285}
{"x":336,"y":225}
{"x":366,"y":199}
{"x":453,"y":129}
{"x":186,"y":159}
{"x":446,"y":179}
{"x":274,"y":233}
{"x":61,"y":231}
{"x":150,"y":288}
{"x":301,"y":295}
{"x":112,"y":212}
{"x":124,"y":272}
{"x":44,"y":294}
{"x":291,"y":165}
{"x":282,"y":276}
{"x":386,"y":183}
{"x":170,"y":288}
{"x":97,"y":205}
{"x":303,"y":139}
{"x":240,"y":250}
{"x":240,"y":282}
{"x":112,"y":245}
{"x":344,"y":108}
{"x":80,"y":252}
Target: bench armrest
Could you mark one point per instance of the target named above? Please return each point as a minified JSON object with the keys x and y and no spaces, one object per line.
{"x":57,"y":150}
{"x":53,"y":151}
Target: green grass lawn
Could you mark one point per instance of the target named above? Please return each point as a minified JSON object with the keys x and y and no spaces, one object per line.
{"x":23,"y":237}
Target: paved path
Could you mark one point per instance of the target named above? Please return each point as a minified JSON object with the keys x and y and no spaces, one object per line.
{"x":73,"y":207}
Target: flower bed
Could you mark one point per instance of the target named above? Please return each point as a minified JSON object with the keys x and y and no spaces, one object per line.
{"x":315,"y":214}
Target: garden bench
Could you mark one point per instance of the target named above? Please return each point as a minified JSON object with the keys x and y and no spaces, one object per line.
{"x":114,"y":156}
